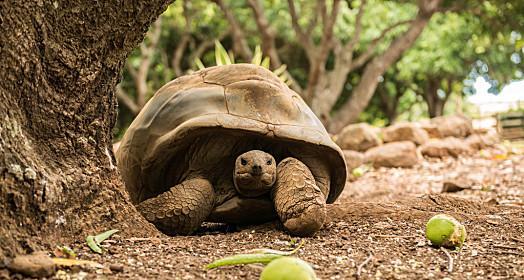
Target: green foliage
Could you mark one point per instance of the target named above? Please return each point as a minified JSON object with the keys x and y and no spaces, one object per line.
{"x":455,"y":47}
{"x":94,"y":241}
{"x":483,"y":38}
{"x":223,"y":57}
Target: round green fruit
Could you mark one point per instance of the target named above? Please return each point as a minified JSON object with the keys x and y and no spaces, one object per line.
{"x":288,"y":268}
{"x":444,"y":230}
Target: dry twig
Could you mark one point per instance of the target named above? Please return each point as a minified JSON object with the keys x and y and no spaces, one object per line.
{"x":359,"y":268}
{"x":450,"y":259}
{"x":394,"y":236}
{"x":504,"y":252}
{"x":506,"y":246}
{"x":517,"y":239}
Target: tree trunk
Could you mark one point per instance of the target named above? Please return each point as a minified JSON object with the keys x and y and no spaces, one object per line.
{"x":433,"y":101}
{"x":363,"y":92}
{"x":389,"y":104}
{"x":61,"y":62}
{"x":329,"y":91}
{"x":437,"y":109}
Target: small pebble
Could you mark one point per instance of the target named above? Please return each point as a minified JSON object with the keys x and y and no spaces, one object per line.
{"x":116,"y":267}
{"x":4,"y":274}
{"x":36,"y":265}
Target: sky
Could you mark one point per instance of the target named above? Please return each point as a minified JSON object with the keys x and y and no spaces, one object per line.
{"x":509,"y":97}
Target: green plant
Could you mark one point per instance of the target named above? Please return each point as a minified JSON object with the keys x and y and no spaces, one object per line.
{"x":223,"y":57}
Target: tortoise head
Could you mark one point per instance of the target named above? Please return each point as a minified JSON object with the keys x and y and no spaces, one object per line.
{"x":254,"y":173}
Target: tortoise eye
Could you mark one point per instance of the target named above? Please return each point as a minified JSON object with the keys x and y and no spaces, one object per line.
{"x":269,"y":162}
{"x":243,"y":161}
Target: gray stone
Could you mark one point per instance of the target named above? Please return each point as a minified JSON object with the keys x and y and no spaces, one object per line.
{"x":394,"y":154}
{"x":358,"y":137}
{"x":353,"y":159}
{"x":454,"y":125}
{"x":405,"y":132}
{"x":450,"y":146}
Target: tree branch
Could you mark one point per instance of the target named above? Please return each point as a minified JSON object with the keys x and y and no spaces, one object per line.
{"x":268,"y":34}
{"x":126,"y":100}
{"x":179,"y":54}
{"x":147,"y":50}
{"x":365,"y":56}
{"x":313,"y":20}
{"x":240,"y":45}
{"x":206,"y":44}
{"x":303,"y":38}
{"x":319,"y":54}
{"x":268,"y":40}
{"x":350,"y":46}
{"x":163,"y":58}
{"x":131,"y":70}
{"x":181,"y":47}
{"x":328,"y":24}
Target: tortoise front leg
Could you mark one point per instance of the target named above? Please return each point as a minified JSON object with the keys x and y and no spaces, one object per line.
{"x":299,"y":202}
{"x":182,"y":208}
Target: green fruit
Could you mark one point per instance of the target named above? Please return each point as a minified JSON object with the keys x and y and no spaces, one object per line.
{"x":446,"y":231}
{"x":288,"y":268}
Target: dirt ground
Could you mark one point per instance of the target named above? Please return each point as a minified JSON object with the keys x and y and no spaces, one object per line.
{"x":376,"y":231}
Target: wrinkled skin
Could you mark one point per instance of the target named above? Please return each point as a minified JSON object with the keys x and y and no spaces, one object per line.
{"x":254,"y":173}
{"x":262,"y":187}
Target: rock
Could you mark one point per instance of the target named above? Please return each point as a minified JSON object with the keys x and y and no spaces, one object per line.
{"x":449,"y":146}
{"x":116,"y":267}
{"x":36,"y":265}
{"x":405,"y":132}
{"x":450,"y":186}
{"x":4,"y":274}
{"x":354,"y":159}
{"x":394,"y":154}
{"x":430,"y":128}
{"x":481,"y":141}
{"x":358,"y":137}
{"x":454,"y":125}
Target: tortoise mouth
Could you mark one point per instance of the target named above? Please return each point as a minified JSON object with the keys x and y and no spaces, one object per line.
{"x":250,"y":185}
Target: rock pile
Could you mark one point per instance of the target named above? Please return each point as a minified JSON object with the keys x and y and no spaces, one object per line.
{"x":406,"y":143}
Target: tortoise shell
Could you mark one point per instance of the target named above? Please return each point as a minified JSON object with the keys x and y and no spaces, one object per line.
{"x":244,"y":98}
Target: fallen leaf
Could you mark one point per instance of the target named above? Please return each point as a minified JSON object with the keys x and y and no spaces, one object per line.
{"x":72,"y":262}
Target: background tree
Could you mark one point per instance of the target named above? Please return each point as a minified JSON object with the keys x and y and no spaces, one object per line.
{"x":453,"y":51}
{"x":335,"y":63}
{"x":315,"y":27}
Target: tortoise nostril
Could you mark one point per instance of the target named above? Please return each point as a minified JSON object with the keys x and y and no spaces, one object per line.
{"x":257,"y":169}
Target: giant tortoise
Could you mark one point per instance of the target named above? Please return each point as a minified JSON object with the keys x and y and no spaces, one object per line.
{"x":230,"y":144}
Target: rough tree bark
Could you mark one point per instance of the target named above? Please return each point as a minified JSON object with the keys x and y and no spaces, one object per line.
{"x":61,"y":62}
{"x":363,"y":92}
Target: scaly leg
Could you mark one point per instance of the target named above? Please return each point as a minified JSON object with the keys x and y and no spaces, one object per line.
{"x":299,"y":202}
{"x":182,"y":208}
